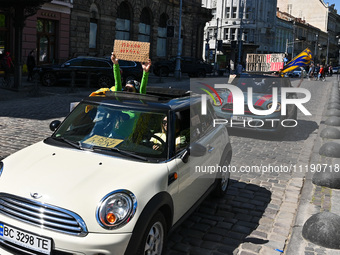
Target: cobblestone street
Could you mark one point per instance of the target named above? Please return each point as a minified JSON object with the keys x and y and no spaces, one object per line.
{"x":257,"y":214}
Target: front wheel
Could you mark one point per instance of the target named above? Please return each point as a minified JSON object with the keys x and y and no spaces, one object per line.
{"x":222,"y":180}
{"x":164,"y":72}
{"x":154,"y":236}
{"x":202,"y":73}
{"x":48,"y":79}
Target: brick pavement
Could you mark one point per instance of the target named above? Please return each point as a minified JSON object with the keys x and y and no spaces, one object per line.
{"x":258,"y":212}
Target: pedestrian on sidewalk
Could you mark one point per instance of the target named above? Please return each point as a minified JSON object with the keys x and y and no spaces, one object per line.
{"x":7,"y":65}
{"x":321,"y":75}
{"x":30,"y":62}
{"x":310,"y":71}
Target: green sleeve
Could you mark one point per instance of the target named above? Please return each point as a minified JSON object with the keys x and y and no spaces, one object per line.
{"x":118,"y":80}
{"x":144,"y":82}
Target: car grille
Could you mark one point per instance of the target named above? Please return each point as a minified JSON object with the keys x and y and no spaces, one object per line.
{"x":229,"y":108}
{"x":42,"y":215}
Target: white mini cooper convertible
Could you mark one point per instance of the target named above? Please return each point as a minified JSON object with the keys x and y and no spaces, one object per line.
{"x":114,"y":177}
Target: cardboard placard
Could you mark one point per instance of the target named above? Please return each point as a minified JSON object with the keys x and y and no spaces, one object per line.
{"x":132,"y":50}
{"x":265,"y":62}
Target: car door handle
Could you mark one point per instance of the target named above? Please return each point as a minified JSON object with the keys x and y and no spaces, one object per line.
{"x":210,"y":149}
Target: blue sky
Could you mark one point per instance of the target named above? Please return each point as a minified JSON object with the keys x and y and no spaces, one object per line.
{"x":336,"y":2}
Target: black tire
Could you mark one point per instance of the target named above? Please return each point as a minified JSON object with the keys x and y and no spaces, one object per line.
{"x":105,"y":82}
{"x":48,"y":79}
{"x":156,"y":71}
{"x":201,"y":73}
{"x":154,"y":237}
{"x":222,"y":179}
{"x":164,"y":72}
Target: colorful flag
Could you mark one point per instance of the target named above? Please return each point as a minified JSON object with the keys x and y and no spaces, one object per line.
{"x":300,"y":60}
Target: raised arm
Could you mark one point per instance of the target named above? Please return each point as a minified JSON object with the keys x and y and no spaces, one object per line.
{"x":146,"y":68}
{"x":116,"y":73}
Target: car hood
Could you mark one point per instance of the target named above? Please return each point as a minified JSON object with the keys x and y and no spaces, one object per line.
{"x":77,"y":180}
{"x":259,"y":99}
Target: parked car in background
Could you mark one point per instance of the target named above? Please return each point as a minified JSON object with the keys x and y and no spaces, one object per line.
{"x":336,"y":70}
{"x":298,"y":73}
{"x":191,"y":66}
{"x":115,"y":176}
{"x":98,"y":71}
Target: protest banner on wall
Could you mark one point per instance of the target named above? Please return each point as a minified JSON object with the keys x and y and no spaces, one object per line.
{"x":265,"y":62}
{"x":132,"y":50}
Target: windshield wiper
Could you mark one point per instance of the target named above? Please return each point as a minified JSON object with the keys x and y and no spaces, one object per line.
{"x":125,"y":153}
{"x":73,"y":144}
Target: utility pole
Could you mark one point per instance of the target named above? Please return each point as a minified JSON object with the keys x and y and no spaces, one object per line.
{"x":327,"y":48}
{"x":315,"y":49}
{"x":240,"y":42}
{"x":216,"y":42}
{"x":293,"y":39}
{"x":179,"y":46}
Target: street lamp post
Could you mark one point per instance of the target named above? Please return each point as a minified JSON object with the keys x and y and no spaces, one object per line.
{"x":178,"y":58}
{"x":327,"y":48}
{"x":216,"y":42}
{"x":316,"y":47}
{"x":291,"y":44}
{"x":240,"y":42}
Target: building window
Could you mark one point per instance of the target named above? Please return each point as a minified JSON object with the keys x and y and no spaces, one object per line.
{"x":289,"y":8}
{"x":144,"y":26}
{"x":213,"y":12}
{"x":226,"y":34}
{"x":123,"y":22}
{"x":227,"y":12}
{"x":248,"y":13}
{"x":93,"y":34}
{"x":233,"y":34}
{"x":3,"y":33}
{"x":234,"y":12}
{"x":161,"y":36}
{"x":46,"y":40}
{"x":93,"y":27}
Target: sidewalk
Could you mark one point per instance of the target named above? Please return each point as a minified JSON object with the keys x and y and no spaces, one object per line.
{"x":313,"y":198}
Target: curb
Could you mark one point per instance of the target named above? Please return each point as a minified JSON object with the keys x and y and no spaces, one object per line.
{"x":297,"y":244}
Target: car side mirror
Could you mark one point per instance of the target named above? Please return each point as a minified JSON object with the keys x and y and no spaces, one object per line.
{"x":54,"y":125}
{"x":65,"y":65}
{"x":194,"y":150}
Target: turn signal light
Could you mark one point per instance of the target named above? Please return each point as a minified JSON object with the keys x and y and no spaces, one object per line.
{"x":110,"y":217}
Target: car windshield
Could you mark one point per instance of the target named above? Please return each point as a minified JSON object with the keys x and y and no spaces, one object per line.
{"x":107,"y":128}
{"x":259,"y":83}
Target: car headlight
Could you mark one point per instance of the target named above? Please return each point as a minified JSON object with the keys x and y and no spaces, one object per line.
{"x":1,"y":167}
{"x":116,"y":209}
{"x":278,"y":108}
{"x":217,"y":101}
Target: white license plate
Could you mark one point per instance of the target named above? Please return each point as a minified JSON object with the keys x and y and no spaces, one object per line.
{"x":25,"y":239}
{"x":241,"y":118}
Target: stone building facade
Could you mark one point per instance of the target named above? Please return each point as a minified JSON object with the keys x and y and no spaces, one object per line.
{"x":242,"y":26}
{"x":46,"y":30}
{"x":96,"y":24}
{"x":325,"y":18}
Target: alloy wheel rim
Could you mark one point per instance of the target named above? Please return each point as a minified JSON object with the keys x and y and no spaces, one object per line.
{"x":154,"y":240}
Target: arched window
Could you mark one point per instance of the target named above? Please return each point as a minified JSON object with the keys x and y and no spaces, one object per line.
{"x":123,"y":22}
{"x":144,"y":26}
{"x":93,"y":27}
{"x":3,"y":33}
{"x":161,"y":37}
{"x":46,"y":39}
